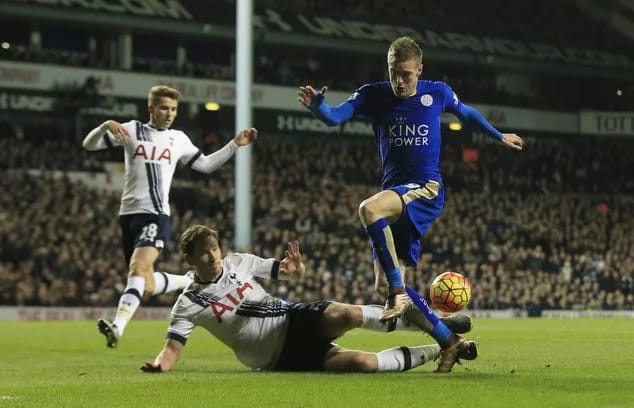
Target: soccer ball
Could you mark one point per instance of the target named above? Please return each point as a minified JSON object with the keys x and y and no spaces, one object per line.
{"x":450,"y":292}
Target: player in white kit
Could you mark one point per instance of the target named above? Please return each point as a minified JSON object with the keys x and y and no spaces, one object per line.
{"x":272,"y":334}
{"x":152,"y":151}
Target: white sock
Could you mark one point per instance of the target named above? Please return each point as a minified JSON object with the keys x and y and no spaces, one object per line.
{"x":405,"y":358}
{"x":167,"y":282}
{"x":129,"y":302}
{"x":371,"y":314}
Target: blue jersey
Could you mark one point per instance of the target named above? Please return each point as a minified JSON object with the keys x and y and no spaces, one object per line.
{"x":407,"y":131}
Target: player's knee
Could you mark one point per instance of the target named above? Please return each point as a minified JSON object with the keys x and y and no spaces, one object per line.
{"x":140,"y":268}
{"x":364,"y":363}
{"x":367,"y":213}
{"x":352,"y":316}
{"x":143,"y":270}
{"x":344,"y":316}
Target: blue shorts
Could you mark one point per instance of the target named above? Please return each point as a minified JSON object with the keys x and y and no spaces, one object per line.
{"x":422,"y":205}
{"x":142,"y":230}
{"x":305,"y":348}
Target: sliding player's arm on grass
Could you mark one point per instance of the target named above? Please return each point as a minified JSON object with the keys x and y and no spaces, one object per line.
{"x":166,"y":359}
{"x":179,"y":330}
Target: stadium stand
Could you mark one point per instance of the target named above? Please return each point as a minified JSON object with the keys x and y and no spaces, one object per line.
{"x":547,"y":229}
{"x":527,"y":238}
{"x":478,"y":79}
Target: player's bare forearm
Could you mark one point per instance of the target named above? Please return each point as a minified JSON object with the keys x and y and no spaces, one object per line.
{"x":166,"y":360}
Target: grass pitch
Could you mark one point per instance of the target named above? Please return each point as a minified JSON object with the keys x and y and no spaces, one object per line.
{"x":522,"y":363}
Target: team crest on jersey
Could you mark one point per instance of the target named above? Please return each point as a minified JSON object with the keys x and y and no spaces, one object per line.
{"x":426,"y":100}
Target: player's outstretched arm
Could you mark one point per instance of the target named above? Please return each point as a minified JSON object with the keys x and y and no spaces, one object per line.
{"x":91,"y":141}
{"x":473,"y":118}
{"x":292,"y":264}
{"x":209,"y":163}
{"x":166,"y":360}
{"x":315,"y":101}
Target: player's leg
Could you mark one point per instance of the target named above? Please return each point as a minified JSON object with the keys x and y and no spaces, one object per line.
{"x":167,"y":282}
{"x":454,"y":347}
{"x":141,"y":272}
{"x":380,"y":282}
{"x":338,"y":318}
{"x":457,"y":322}
{"x":394,"y":359}
{"x":143,"y":238}
{"x":376,"y":214}
{"x":312,"y":327}
{"x":160,"y":282}
{"x":424,"y":205}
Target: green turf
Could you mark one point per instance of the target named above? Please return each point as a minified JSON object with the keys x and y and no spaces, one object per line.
{"x":523,"y":363}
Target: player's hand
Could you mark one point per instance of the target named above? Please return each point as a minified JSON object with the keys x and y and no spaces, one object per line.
{"x":246,"y":136}
{"x":309,"y":97}
{"x":292,"y":263}
{"x":513,"y":141}
{"x":150,"y":368}
{"x":118,"y":131}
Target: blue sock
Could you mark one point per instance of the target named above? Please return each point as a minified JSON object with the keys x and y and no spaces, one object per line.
{"x":440,"y":332}
{"x":381,"y":239}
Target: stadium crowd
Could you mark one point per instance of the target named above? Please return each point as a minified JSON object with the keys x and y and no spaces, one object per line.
{"x":549,"y":228}
{"x":560,"y":24}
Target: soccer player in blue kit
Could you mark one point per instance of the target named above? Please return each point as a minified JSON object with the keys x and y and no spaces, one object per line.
{"x":405,"y":114}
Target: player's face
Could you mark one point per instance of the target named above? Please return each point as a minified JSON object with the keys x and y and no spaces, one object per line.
{"x":207,"y":258}
{"x":163,"y":113}
{"x":404,"y":75}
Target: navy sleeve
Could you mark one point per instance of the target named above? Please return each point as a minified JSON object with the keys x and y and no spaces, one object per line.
{"x":468,"y":115}
{"x":360,"y":100}
{"x":333,"y":115}
{"x":475,"y":120}
{"x":451,"y":102}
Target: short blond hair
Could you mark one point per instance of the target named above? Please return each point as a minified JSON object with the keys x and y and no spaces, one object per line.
{"x":159,"y":91}
{"x":405,"y":48}
{"x":194,"y":236}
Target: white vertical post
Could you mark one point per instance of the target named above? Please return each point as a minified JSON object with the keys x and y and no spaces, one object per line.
{"x":244,"y":79}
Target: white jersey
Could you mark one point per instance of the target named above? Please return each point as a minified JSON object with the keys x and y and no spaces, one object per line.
{"x":236,"y":310}
{"x":151,"y":157}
